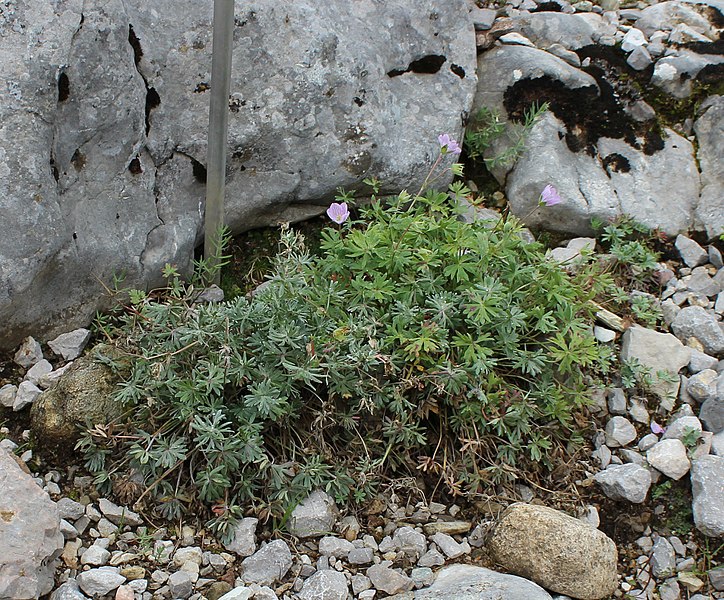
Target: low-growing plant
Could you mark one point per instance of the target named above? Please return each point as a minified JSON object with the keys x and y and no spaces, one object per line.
{"x":629,"y":244}
{"x":487,"y":126}
{"x":417,"y":343}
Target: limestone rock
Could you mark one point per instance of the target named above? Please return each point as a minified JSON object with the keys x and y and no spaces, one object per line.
{"x":100,"y":581}
{"x":27,"y":394}
{"x":7,"y":395}
{"x":696,"y":322}
{"x":702,"y":386}
{"x":663,"y":559}
{"x":625,"y":482}
{"x":325,"y":585}
{"x":388,"y":580}
{"x":29,"y":353}
{"x":466,"y":582}
{"x":268,"y":564}
{"x":334,"y":546}
{"x":639,"y":188}
{"x":103,"y":145}
{"x":557,"y":551}
{"x":619,"y":432}
{"x":707,"y":475}
{"x":243,"y":541}
{"x":712,"y":411}
{"x":68,"y":591}
{"x":313,"y":517}
{"x":709,"y":128}
{"x":691,"y":252}
{"x":70,"y":345}
{"x":657,"y":352}
{"x":119,"y":515}
{"x":30,"y":537}
{"x":410,"y":542}
{"x":669,"y":457}
{"x":83,"y":393}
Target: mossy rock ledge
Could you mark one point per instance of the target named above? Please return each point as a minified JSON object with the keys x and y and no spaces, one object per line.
{"x":84,"y":394}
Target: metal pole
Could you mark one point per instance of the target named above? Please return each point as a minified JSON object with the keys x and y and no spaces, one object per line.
{"x":218,"y":124}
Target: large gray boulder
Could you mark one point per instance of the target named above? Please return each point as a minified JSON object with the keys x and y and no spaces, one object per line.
{"x":103,"y":131}
{"x":709,"y":128}
{"x":659,"y":190}
{"x":30,"y":537}
{"x":559,"y":552}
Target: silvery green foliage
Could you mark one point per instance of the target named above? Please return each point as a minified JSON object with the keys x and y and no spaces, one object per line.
{"x":414,"y":335}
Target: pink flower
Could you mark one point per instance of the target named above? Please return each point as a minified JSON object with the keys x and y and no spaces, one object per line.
{"x":338,"y":212}
{"x":550,"y":196}
{"x":447,"y":144}
{"x":656,"y":428}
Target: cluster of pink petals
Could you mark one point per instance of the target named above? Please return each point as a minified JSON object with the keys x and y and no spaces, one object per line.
{"x":447,"y":144}
{"x":550,"y":196}
{"x":338,"y":212}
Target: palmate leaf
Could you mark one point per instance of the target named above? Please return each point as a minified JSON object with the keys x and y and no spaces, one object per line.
{"x":412,"y":321}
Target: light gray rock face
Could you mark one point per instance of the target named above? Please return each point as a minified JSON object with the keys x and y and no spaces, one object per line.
{"x":709,"y":129}
{"x":696,"y":322}
{"x":412,"y":543}
{"x":657,"y":352}
{"x":243,"y":541}
{"x":119,"y":515}
{"x":314,"y":517}
{"x":712,"y":411}
{"x":619,"y":432}
{"x":572,"y":31}
{"x":559,"y":552}
{"x":325,"y":585}
{"x":717,"y":444}
{"x":665,"y":16}
{"x":669,"y":457}
{"x":588,"y":190}
{"x":39,"y":371}
{"x":95,"y":555}
{"x":639,"y":59}
{"x":703,"y":385}
{"x":682,"y":427}
{"x":7,"y":395}
{"x":68,"y":591}
{"x":99,"y":582}
{"x":334,"y":546}
{"x":501,"y":67}
{"x":30,"y":537}
{"x":625,"y":482}
{"x":70,"y":509}
{"x":707,"y":475}
{"x":388,"y":580}
{"x":691,"y":252}
{"x":29,"y":353}
{"x":449,"y":546}
{"x":496,"y":73}
{"x":180,"y":585}
{"x":269,"y":564}
{"x":663,"y":559}
{"x":70,"y":345}
{"x":104,"y":129}
{"x":466,"y":582}
{"x":675,"y":73}
{"x":27,"y":394}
